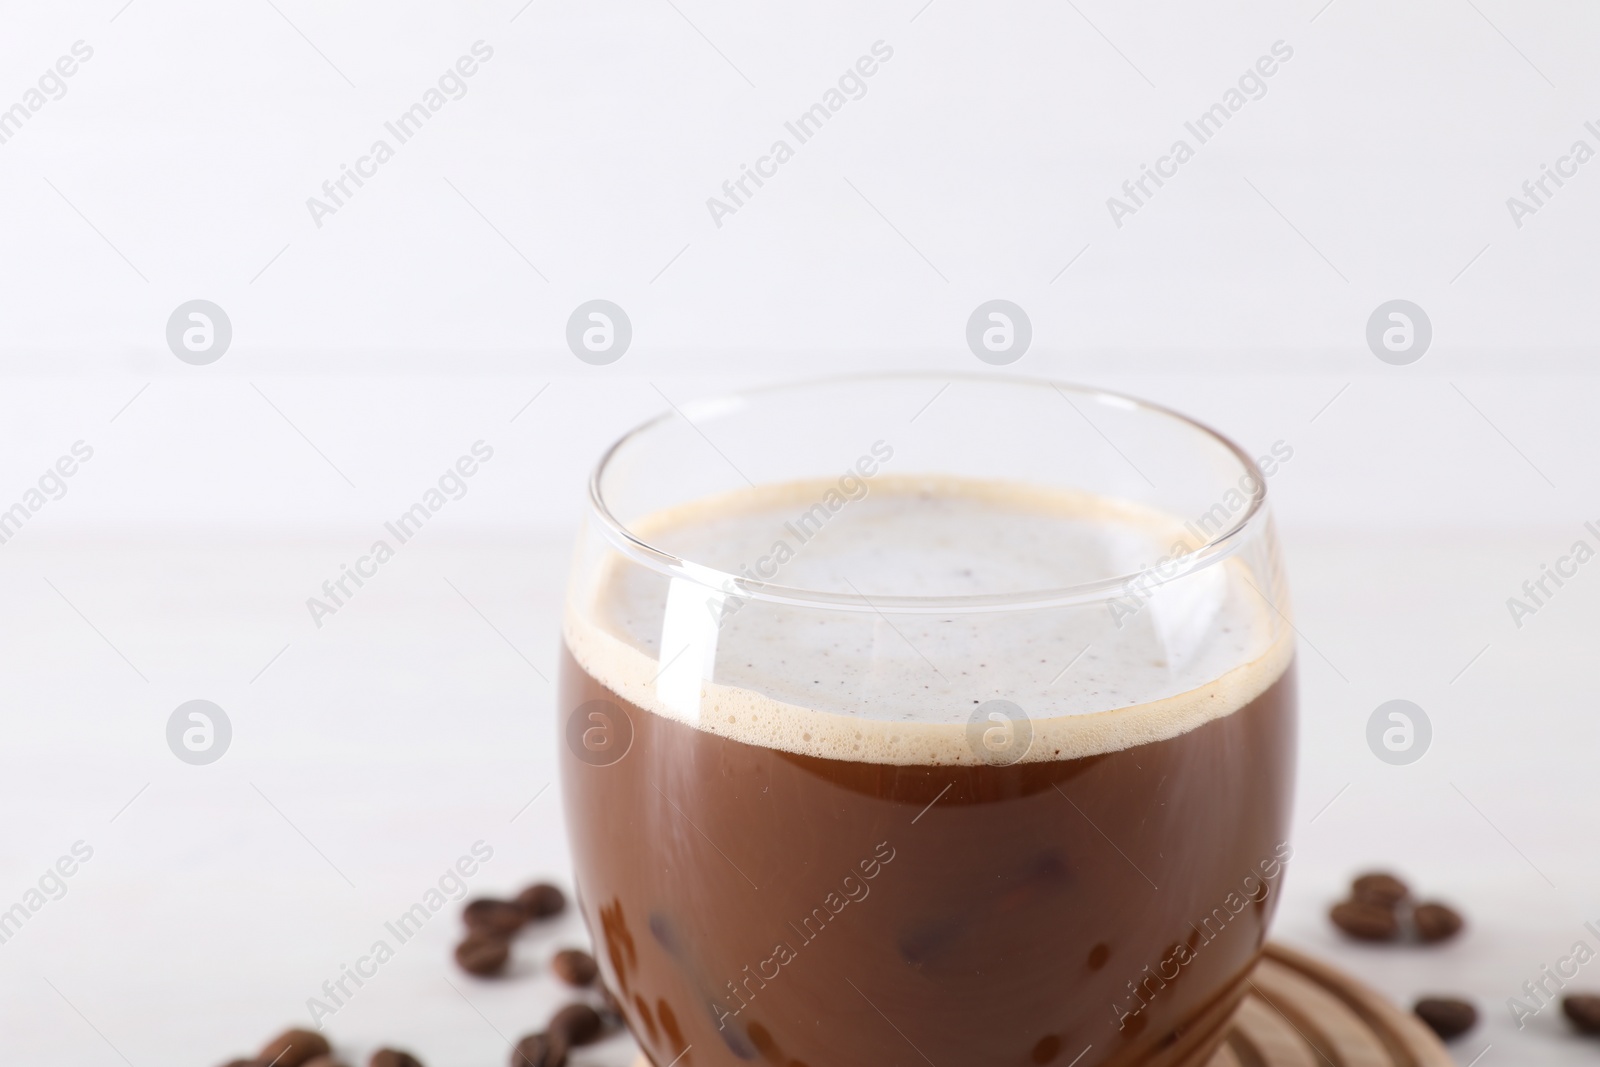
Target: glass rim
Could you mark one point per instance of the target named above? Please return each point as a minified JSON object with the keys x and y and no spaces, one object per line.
{"x":1216,"y":549}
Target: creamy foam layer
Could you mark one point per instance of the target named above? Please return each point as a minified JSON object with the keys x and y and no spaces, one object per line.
{"x":900,"y":689}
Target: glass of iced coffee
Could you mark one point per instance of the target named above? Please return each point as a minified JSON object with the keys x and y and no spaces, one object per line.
{"x":927,"y":720}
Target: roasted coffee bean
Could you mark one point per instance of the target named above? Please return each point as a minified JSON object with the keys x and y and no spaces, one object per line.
{"x":1384,"y":890}
{"x":388,"y":1057}
{"x":323,"y":1061}
{"x":483,"y":955}
{"x":577,"y":1024}
{"x":539,"y":1050}
{"x":542,"y":900}
{"x":501,"y":918}
{"x":1365,"y":922}
{"x":294,"y":1048}
{"x":1584,"y":1011}
{"x":1435,"y":922}
{"x":1447,"y":1016}
{"x":574,"y":967}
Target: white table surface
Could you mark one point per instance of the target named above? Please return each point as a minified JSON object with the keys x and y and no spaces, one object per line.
{"x":374,"y":751}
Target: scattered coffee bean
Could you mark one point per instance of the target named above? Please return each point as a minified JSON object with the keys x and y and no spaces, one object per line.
{"x":541,"y":901}
{"x":1447,"y":1016}
{"x":539,"y":1050}
{"x":1435,"y":922}
{"x":501,"y":918}
{"x":483,"y":955}
{"x":574,"y":967}
{"x":575,"y":1024}
{"x":388,"y":1057}
{"x":1365,"y":922}
{"x":1584,"y":1011}
{"x":1384,"y":890}
{"x":294,"y":1048}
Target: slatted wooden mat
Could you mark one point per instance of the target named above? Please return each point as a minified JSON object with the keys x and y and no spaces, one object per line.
{"x":1302,"y":1013}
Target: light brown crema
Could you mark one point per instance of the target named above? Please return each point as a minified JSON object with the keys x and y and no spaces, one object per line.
{"x":900,"y":688}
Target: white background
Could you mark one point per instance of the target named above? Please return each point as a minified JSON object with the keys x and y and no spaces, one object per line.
{"x":369,"y":352}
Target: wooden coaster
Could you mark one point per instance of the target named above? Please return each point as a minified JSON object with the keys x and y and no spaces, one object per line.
{"x":1302,"y":1013}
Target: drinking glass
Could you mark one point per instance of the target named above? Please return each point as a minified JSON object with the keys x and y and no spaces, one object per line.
{"x":933,"y":719}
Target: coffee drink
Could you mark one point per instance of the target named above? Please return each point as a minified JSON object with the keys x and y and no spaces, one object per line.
{"x":929,"y":811}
